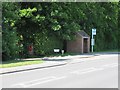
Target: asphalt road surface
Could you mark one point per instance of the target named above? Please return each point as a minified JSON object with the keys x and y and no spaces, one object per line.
{"x":95,"y":72}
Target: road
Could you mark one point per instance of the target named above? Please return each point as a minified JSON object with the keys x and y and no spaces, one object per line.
{"x":95,"y":72}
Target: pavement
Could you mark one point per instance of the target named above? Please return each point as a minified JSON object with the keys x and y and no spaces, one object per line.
{"x":51,"y":62}
{"x":48,"y":62}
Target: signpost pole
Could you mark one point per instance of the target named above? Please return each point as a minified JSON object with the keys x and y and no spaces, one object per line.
{"x":92,"y":43}
{"x":92,"y":48}
{"x":92,"y":40}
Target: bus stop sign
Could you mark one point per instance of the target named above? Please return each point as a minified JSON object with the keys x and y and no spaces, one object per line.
{"x":93,"y":31}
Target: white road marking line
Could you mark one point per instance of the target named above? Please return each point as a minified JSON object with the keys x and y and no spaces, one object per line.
{"x":110,"y":65}
{"x":39,"y":81}
{"x":92,"y":69}
{"x":95,"y":69}
{"x":53,"y":78}
{"x":42,"y":79}
{"x":86,"y":70}
{"x":22,"y":84}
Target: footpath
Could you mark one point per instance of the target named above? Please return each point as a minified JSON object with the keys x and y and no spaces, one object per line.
{"x":48,"y":62}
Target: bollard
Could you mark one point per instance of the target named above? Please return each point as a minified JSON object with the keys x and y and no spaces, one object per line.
{"x":62,"y":52}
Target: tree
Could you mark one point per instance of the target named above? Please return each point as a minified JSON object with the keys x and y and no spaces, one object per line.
{"x":10,"y":39}
{"x":49,"y":24}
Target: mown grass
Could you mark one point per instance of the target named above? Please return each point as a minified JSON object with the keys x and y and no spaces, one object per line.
{"x":113,"y":50}
{"x":15,"y":63}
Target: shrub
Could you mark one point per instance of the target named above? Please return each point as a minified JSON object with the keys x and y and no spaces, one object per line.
{"x":45,"y":44}
{"x":10,"y":47}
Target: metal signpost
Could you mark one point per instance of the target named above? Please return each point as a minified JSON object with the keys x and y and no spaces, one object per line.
{"x":92,"y":40}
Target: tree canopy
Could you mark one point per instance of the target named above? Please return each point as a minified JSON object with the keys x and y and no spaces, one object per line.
{"x":48,"y":24}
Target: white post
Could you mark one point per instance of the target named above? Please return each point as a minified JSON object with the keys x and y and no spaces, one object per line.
{"x":92,"y":43}
{"x":92,"y":40}
{"x":62,"y":52}
{"x":92,"y":48}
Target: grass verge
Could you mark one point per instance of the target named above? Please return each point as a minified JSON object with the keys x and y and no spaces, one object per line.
{"x":114,"y":50}
{"x":15,"y":63}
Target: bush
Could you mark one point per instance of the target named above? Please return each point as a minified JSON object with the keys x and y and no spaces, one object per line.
{"x":10,"y":47}
{"x":45,"y":44}
{"x":0,"y":44}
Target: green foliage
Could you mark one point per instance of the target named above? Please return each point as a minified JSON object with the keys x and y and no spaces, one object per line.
{"x":48,"y":24}
{"x":10,"y":39}
{"x":45,"y":44}
{"x":0,"y":42}
{"x":10,"y":45}
{"x":118,"y":34}
{"x":27,"y":12}
{"x":62,"y":20}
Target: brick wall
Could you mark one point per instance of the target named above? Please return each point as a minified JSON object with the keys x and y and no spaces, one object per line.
{"x":76,"y":46}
